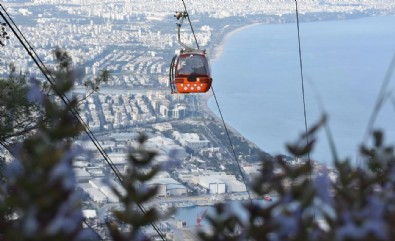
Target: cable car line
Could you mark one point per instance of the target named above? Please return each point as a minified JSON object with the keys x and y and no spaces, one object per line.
{"x":180,"y":16}
{"x":30,"y":50}
{"x":302,"y":79}
{"x":66,"y":101}
{"x":189,"y":70}
{"x":26,"y":45}
{"x":89,"y":226}
{"x":190,"y":24}
{"x":232,"y":146}
{"x":220,"y":112}
{"x":303,"y":95}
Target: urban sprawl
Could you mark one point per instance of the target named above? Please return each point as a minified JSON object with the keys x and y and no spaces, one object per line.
{"x":135,"y":41}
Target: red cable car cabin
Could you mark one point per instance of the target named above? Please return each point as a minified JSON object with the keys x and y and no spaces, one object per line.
{"x":190,"y":73}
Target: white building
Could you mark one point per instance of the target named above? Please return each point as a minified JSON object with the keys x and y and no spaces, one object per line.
{"x":120,"y":160}
{"x":81,"y":174}
{"x":168,"y":187}
{"x":105,"y":189}
{"x":191,"y":140}
{"x":234,"y":186}
{"x":212,"y":184}
{"x":163,"y":110}
{"x":165,"y":147}
{"x":89,"y":213}
{"x":96,"y":195}
{"x":163,"y":126}
{"x":187,"y":176}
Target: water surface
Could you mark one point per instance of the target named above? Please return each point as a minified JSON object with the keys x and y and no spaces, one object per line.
{"x":258,"y":82}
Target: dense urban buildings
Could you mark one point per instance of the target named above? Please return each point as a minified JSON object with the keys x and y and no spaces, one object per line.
{"x":135,"y":41}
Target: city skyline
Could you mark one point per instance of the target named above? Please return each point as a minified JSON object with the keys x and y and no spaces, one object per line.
{"x":135,"y":41}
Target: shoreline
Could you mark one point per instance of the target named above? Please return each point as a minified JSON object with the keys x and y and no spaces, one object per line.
{"x":207,"y":110}
{"x":217,"y":50}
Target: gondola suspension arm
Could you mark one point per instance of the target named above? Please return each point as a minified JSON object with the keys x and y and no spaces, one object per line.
{"x":180,"y":17}
{"x":190,"y":24}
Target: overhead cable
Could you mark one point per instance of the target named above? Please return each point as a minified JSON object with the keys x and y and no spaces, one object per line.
{"x":29,"y":49}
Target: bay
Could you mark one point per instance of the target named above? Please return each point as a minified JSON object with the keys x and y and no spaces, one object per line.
{"x":190,"y":214}
{"x":257,"y":82}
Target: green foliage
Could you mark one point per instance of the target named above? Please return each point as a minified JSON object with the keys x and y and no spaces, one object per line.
{"x":364,"y":197}
{"x":2,"y":169}
{"x":308,"y":205}
{"x":135,"y":216}
{"x":18,"y":115}
{"x":93,"y":86}
{"x":38,"y":201}
{"x":40,"y":181}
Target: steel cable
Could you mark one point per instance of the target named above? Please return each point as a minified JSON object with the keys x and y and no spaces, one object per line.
{"x":66,"y":101}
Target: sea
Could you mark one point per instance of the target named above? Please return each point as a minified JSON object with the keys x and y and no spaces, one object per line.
{"x":257,"y":82}
{"x":190,"y":214}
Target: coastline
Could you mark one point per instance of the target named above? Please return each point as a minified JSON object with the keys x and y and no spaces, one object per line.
{"x":217,"y":50}
{"x":203,"y":99}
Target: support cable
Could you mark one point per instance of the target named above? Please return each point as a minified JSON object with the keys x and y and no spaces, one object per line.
{"x":222,"y":118}
{"x":30,"y":50}
{"x":302,"y":79}
{"x":303,"y":93}
{"x":66,"y":101}
{"x":89,"y":226}
{"x":3,"y":145}
{"x":190,"y":24}
{"x":232,"y":146}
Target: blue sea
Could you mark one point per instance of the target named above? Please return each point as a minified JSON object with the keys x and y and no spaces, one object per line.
{"x":257,"y":82}
{"x":190,"y":214}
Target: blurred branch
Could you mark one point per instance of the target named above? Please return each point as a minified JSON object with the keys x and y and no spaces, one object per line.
{"x":380,"y":99}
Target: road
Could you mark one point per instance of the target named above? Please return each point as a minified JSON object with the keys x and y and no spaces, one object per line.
{"x":201,"y":200}
{"x":121,"y":90}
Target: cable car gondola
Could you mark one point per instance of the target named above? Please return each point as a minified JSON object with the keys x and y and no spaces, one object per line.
{"x":189,"y":69}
